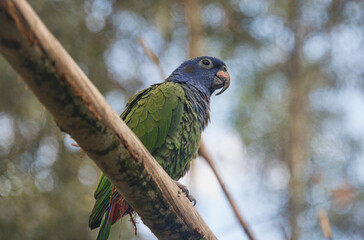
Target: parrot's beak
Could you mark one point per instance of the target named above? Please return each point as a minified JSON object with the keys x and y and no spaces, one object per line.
{"x":221,"y":80}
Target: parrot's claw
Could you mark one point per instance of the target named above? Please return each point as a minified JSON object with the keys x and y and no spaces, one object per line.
{"x":186,"y":192}
{"x":192,"y":199}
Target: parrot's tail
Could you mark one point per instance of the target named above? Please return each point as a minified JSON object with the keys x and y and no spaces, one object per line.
{"x":118,"y":207}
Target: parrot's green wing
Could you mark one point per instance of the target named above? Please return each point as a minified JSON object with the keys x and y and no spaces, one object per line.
{"x":154,"y":113}
{"x":102,"y":196}
{"x":151,"y":114}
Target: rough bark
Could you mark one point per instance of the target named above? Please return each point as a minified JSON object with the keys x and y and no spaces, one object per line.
{"x":79,"y":109}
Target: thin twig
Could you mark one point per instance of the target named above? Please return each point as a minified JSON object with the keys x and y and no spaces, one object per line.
{"x":152,"y":56}
{"x":325,"y":224}
{"x":284,"y":233}
{"x":204,"y":153}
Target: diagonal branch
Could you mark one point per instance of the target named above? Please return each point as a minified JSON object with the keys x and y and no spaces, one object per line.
{"x":80,"y":109}
{"x":324,"y":224}
{"x":202,"y":151}
{"x":152,"y":56}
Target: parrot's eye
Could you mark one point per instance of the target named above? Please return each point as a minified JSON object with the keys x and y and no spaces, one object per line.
{"x":206,"y":63}
{"x":224,"y":68}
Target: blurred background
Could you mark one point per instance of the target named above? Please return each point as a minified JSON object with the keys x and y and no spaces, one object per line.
{"x":287,"y":136}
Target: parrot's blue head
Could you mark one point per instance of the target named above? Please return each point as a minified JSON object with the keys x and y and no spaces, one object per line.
{"x":204,"y":73}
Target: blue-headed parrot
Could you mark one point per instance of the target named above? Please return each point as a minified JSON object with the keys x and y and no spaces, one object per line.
{"x":168,"y":118}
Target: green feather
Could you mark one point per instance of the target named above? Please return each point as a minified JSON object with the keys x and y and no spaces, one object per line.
{"x":102,"y":196}
{"x":104,"y":229}
{"x":177,"y":114}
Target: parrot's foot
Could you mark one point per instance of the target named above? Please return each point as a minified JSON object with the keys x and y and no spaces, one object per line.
{"x":186,"y":192}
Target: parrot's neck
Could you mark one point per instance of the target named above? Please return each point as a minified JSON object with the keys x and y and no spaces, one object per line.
{"x":200,"y":103}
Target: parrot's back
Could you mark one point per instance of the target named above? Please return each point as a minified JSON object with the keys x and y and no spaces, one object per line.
{"x":168,"y":118}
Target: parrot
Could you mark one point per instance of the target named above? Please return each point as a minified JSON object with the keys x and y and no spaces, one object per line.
{"x":168,"y":118}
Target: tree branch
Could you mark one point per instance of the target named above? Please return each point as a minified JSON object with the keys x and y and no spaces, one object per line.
{"x":202,"y":151}
{"x":80,"y":109}
{"x":152,"y":57}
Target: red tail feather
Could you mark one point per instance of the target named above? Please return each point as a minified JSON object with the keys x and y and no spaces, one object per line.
{"x":119,"y":208}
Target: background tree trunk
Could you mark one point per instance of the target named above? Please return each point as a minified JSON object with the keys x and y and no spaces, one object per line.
{"x":297,"y":135}
{"x":195,"y":27}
